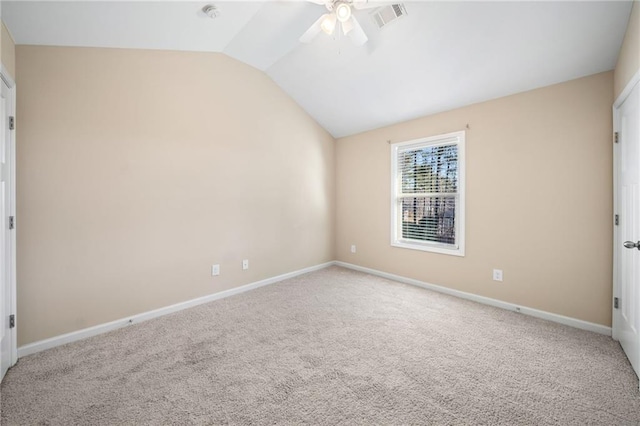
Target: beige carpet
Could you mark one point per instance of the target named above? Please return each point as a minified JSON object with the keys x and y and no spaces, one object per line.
{"x":330,"y":347}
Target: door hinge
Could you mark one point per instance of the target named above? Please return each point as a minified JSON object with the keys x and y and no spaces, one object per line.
{"x":12,"y":122}
{"x":616,"y":137}
{"x":12,"y":222}
{"x":617,"y":220}
{"x":616,"y":302}
{"x":12,"y":321}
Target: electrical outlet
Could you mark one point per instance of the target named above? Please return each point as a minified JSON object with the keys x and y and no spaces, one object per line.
{"x":353,"y":248}
{"x":245,"y":264}
{"x":497,"y":274}
{"x":215,"y":270}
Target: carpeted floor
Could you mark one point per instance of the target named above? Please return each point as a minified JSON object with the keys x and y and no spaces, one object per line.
{"x":330,"y":347}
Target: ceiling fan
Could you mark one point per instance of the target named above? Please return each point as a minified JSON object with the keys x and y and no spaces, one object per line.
{"x":339,"y":11}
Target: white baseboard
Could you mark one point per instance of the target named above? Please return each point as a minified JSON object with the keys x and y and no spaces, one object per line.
{"x":573,"y":322}
{"x":52,"y":342}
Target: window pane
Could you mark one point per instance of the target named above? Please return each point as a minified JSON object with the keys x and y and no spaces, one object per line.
{"x":430,"y":169}
{"x":429,"y":219}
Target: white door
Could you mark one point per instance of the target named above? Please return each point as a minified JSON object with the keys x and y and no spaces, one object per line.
{"x":7,"y":283}
{"x":626,"y":316}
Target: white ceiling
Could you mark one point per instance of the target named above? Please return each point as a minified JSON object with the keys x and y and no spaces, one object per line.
{"x":442,"y":55}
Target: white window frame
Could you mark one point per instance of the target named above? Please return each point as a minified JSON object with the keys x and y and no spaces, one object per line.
{"x":456,"y":249}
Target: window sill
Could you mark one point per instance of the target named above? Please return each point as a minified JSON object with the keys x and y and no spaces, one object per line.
{"x":430,"y":248}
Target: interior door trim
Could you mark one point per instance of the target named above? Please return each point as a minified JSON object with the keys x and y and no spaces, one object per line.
{"x":8,"y":80}
{"x":617,"y":240}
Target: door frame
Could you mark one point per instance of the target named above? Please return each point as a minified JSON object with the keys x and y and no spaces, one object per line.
{"x":11,"y":143}
{"x":617,"y":241}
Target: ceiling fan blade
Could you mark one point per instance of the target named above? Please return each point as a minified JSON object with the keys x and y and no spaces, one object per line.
{"x":313,"y":31}
{"x":356,"y":33}
{"x":322,"y":2}
{"x":367,"y":4}
{"x":347,"y":25}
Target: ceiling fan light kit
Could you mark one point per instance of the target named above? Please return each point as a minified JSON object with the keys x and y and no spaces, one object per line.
{"x":339,"y":10}
{"x":328,"y":23}
{"x":343,"y":12}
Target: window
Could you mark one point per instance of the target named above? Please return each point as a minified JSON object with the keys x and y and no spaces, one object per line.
{"x":427,"y":194}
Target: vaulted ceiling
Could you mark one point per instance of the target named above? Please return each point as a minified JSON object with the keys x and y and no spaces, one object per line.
{"x":440,"y":56}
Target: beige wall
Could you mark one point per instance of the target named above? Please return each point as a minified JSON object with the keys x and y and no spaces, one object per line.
{"x":7,"y":50}
{"x":629,"y":57}
{"x":539,"y":199}
{"x":138,"y":170}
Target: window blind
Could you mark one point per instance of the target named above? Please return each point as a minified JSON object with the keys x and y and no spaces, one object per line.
{"x":428,"y":192}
